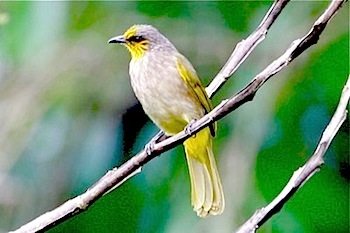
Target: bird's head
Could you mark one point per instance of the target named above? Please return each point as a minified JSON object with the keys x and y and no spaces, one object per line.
{"x":141,"y":38}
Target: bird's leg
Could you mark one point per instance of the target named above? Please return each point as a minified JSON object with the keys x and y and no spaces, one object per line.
{"x":188,"y":128}
{"x":150,"y":145}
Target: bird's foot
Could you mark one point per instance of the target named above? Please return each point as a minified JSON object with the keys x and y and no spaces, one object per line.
{"x":150,"y":145}
{"x":189,"y":127}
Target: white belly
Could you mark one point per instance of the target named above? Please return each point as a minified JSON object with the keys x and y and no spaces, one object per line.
{"x":163,"y":95}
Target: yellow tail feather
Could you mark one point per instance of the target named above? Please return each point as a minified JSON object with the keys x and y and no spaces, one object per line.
{"x":207,"y":196}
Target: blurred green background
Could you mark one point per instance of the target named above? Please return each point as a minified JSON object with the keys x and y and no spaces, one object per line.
{"x":68,"y":114}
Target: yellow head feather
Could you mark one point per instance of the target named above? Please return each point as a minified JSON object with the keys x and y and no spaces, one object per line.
{"x":136,"y":48}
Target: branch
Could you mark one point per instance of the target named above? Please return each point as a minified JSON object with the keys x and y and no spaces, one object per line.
{"x":117,"y":176}
{"x":245,"y":47}
{"x":305,"y":172}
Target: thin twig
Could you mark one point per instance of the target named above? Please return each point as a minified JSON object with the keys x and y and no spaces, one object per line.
{"x":245,"y":47}
{"x":119,"y":175}
{"x":305,"y":172}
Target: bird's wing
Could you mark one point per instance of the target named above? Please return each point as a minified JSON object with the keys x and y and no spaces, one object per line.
{"x":189,"y":76}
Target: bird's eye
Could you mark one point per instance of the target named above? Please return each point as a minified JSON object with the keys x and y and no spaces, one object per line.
{"x":136,"y":38}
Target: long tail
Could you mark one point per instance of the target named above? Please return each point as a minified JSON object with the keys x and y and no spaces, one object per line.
{"x":207,"y":196}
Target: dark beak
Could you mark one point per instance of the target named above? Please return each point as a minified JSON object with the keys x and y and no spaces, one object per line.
{"x":118,"y":39}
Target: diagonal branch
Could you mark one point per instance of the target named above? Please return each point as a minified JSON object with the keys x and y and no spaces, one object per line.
{"x":245,"y":47}
{"x":305,"y":172}
{"x":117,"y":176}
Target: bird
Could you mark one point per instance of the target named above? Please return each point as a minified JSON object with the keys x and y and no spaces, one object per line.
{"x":172,"y":95}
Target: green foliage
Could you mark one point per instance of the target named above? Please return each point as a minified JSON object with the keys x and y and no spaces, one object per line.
{"x":164,"y":8}
{"x":238,"y":20}
{"x":306,"y":104}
